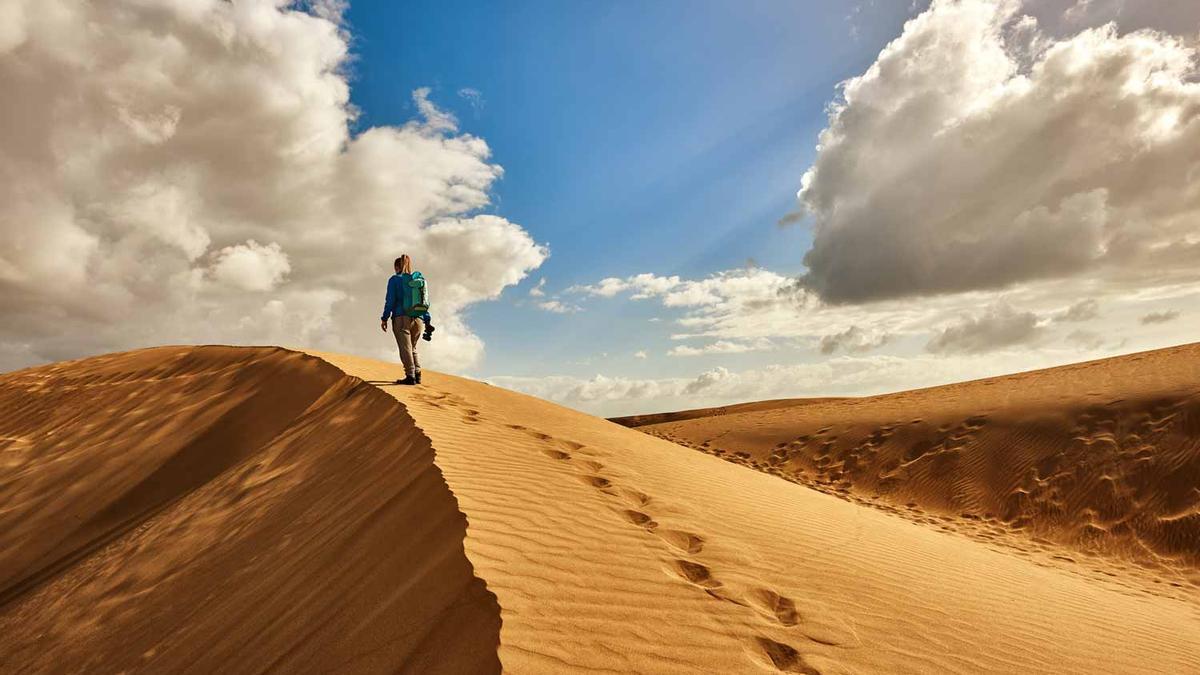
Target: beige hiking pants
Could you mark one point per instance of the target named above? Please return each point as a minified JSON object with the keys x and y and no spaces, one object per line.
{"x":408,"y":333}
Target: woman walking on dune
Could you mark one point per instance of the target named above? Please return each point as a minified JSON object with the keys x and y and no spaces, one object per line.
{"x":407,"y":301}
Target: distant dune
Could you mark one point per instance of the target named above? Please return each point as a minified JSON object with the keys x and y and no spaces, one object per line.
{"x":312,"y":532}
{"x":1102,"y":457}
{"x":755,"y":406}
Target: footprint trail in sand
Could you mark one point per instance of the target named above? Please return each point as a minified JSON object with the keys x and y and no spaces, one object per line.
{"x":767,"y":603}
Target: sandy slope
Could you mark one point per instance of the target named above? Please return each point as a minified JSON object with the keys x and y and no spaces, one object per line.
{"x":232,"y":510}
{"x":614,"y":551}
{"x":226,"y":510}
{"x":1100,"y":457}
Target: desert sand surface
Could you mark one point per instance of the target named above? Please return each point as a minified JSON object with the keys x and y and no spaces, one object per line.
{"x":606,"y":549}
{"x":1098,"y":459}
{"x":204,"y":510}
{"x":610,"y":550}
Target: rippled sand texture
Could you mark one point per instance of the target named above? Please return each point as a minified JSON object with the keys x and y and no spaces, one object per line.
{"x":1100,"y":459}
{"x":611,"y":550}
{"x":227,"y":510}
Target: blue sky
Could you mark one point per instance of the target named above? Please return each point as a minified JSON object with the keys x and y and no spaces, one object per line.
{"x":1000,"y":185}
{"x":664,"y":136}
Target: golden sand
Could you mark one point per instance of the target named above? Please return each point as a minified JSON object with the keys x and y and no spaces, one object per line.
{"x":234,"y":510}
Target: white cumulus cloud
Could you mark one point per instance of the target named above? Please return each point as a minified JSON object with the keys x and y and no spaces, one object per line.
{"x":723,"y":347}
{"x":186,"y":172}
{"x":558,"y":307}
{"x":251,"y":266}
{"x":980,"y":151}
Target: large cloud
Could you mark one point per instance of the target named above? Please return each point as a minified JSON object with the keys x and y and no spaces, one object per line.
{"x":183,"y":171}
{"x":979,"y":152}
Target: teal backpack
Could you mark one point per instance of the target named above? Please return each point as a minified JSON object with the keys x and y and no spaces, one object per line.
{"x":415,"y":299}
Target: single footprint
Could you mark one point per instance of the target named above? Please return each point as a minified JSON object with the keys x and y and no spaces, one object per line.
{"x":976,"y":422}
{"x":634,"y":497}
{"x":557,"y":454}
{"x":684,"y":541}
{"x":640,"y":519}
{"x":784,"y":657}
{"x":781,"y":608}
{"x":918,"y":450}
{"x":597,"y":481}
{"x":696,"y":573}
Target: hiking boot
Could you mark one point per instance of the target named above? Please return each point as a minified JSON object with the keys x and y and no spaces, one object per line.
{"x":417,"y":376}
{"x":407,"y":380}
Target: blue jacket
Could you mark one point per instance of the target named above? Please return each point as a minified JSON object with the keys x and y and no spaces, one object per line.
{"x":395,"y":295}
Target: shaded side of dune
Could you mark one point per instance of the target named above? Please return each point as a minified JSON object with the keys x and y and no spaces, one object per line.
{"x":216,"y":509}
{"x":1103,"y":457}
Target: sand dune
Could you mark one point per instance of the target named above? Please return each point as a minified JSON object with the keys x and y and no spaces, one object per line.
{"x":1100,"y":457}
{"x":607,"y":549}
{"x":615,"y":551}
{"x":226,"y":510}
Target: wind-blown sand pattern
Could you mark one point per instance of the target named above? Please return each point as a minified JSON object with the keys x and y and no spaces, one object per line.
{"x":1099,"y":458}
{"x":607,"y":549}
{"x":226,"y":510}
{"x":613,"y":551}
